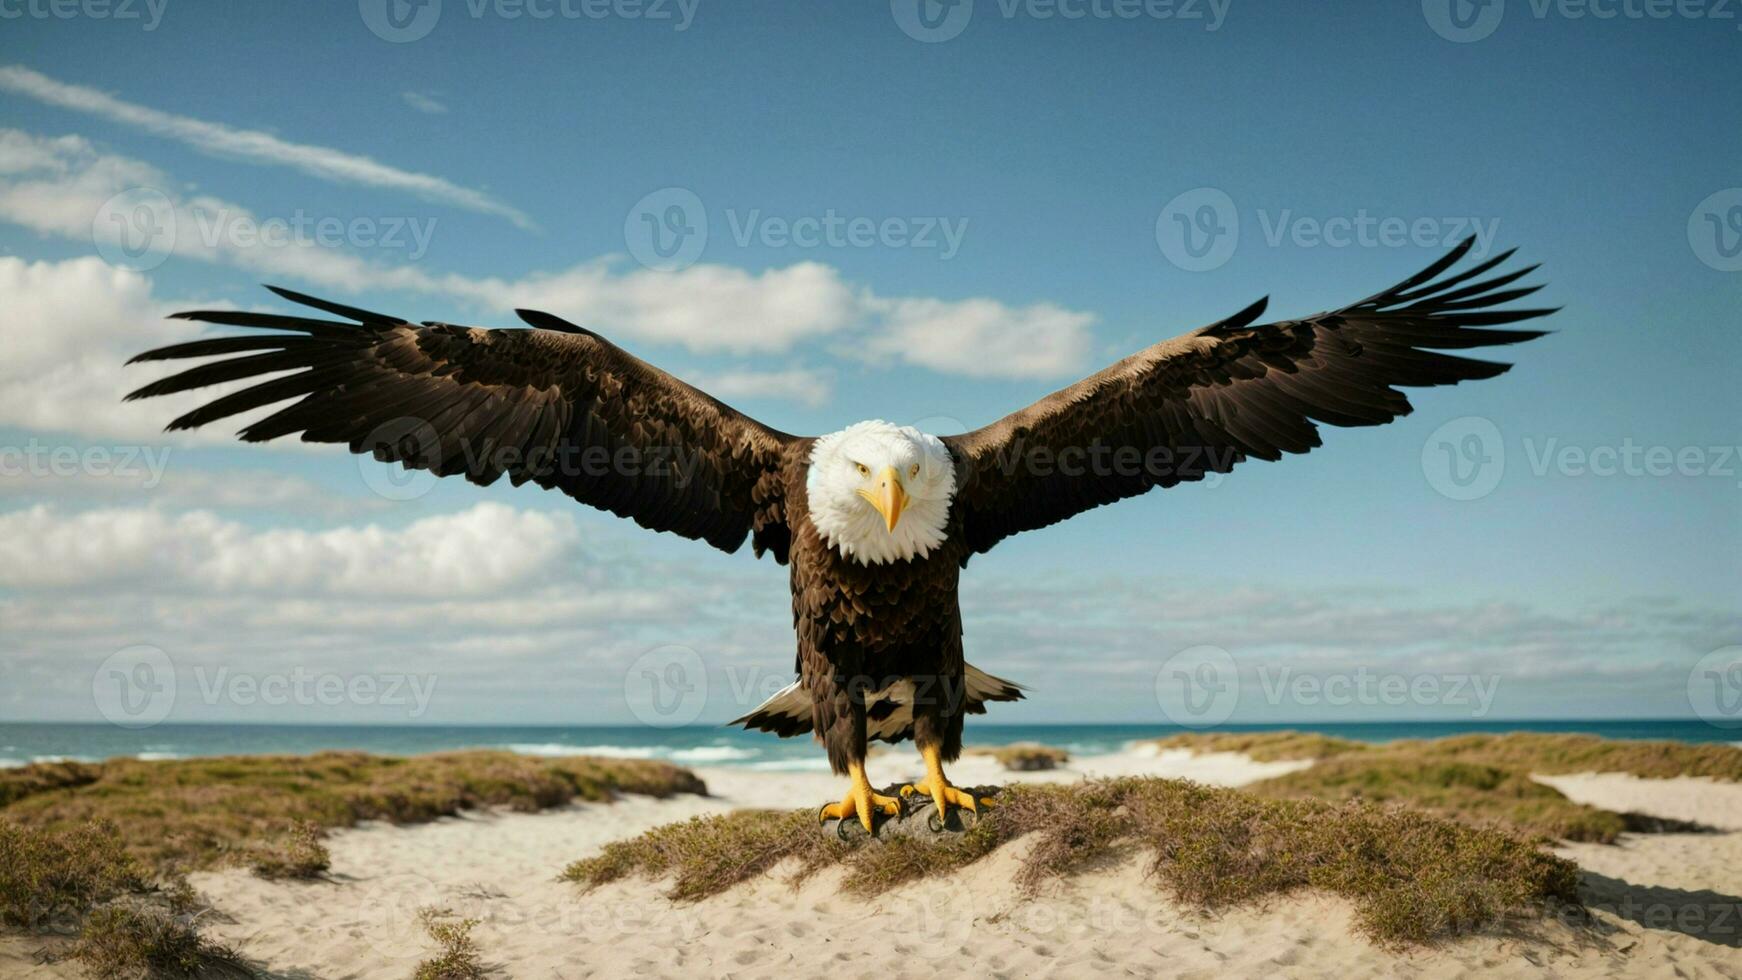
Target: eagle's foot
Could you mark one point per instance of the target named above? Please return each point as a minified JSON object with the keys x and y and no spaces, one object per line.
{"x":944,"y":795}
{"x":861,"y":801}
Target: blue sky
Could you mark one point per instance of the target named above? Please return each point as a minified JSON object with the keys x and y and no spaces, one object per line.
{"x":1052,"y":149}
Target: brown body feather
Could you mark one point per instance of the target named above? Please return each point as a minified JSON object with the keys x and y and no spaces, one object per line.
{"x":562,"y":407}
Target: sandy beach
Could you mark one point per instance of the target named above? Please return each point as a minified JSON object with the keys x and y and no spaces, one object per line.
{"x":1665,"y":903}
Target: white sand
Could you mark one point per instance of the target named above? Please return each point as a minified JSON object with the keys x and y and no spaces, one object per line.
{"x":1668,"y":903}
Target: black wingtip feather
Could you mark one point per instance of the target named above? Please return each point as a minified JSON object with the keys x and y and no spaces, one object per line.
{"x":337,"y":309}
{"x":550,"y":321}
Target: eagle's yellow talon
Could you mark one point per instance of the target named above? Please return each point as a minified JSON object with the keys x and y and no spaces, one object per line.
{"x":937,"y":786}
{"x":861,"y":801}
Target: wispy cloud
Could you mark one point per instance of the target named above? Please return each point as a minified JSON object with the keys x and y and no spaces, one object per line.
{"x":424,"y":102}
{"x":56,"y":185}
{"x":546,"y":619}
{"x":253,"y":145}
{"x":810,"y":386}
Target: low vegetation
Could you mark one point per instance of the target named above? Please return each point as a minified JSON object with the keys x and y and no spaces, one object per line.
{"x":1412,"y":877}
{"x":299,"y":853}
{"x":147,"y":942}
{"x":458,"y":959}
{"x":198,"y":813}
{"x":49,"y":878}
{"x":1554,"y":753}
{"x":1481,"y":779}
{"x":1280,"y":746}
{"x":98,"y":850}
{"x":1469,"y":791}
{"x":1539,"y":752}
{"x":130,"y":924}
{"x":1023,"y":756}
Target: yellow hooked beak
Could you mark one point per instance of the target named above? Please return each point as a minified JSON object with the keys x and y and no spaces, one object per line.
{"x":888,"y":496}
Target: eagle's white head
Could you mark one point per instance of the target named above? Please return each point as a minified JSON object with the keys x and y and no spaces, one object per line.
{"x":880,"y":492}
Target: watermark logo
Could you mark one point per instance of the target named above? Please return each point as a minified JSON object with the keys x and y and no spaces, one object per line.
{"x":134,"y":687}
{"x":404,"y":438}
{"x":667,"y":229}
{"x":1463,"y":21}
{"x":387,"y":917}
{"x":1715,"y":230}
{"x":1715,"y":687}
{"x":1201,"y":229}
{"x":934,"y":923}
{"x":1198,"y":687}
{"x":932,"y":21}
{"x":399,"y":21}
{"x":135,"y":229}
{"x":666,"y":687}
{"x":309,"y":689}
{"x":1465,"y":458}
{"x":1198,"y":230}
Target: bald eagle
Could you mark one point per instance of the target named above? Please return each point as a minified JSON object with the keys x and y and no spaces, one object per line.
{"x":876,"y":521}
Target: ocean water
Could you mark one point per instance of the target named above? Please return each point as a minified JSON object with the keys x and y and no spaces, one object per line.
{"x":24,"y":742}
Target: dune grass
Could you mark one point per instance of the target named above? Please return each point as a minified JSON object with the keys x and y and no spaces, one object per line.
{"x":458,"y":959}
{"x":130,"y":924}
{"x":199,"y":813}
{"x":1551,"y":753}
{"x":298,"y":853}
{"x":1539,"y":752}
{"x":1468,"y":791}
{"x":46,"y":878}
{"x":1412,"y":877}
{"x":1482,"y":779}
{"x":1279,"y":746}
{"x":147,"y":942}
{"x":99,"y":849}
{"x":1022,"y":756}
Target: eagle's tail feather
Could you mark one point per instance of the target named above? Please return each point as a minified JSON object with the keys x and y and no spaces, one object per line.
{"x":788,"y":712}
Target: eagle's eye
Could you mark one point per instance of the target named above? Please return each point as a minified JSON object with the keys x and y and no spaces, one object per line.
{"x":913,"y":470}
{"x":863,"y":469}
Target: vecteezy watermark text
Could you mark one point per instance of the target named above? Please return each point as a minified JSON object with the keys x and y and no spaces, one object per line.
{"x":833,"y":230}
{"x":416,"y":443}
{"x":668,"y":229}
{"x":1200,"y":229}
{"x":37,"y":460}
{"x":402,"y":21}
{"x":138,"y":686}
{"x":148,"y":12}
{"x":1364,"y":688}
{"x":238,"y":229}
{"x":933,"y":21}
{"x":1467,"y":21}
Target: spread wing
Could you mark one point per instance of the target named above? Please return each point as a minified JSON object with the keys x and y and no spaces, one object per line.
{"x":1208,"y":400}
{"x":558,"y":405}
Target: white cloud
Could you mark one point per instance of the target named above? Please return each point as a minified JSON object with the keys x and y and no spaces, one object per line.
{"x":479,"y":551}
{"x":253,"y":145}
{"x":705,"y":308}
{"x":71,"y":325}
{"x":424,"y":102}
{"x":810,"y":386}
{"x":107,"y":475}
{"x":981,"y":337}
{"x":60,"y":186}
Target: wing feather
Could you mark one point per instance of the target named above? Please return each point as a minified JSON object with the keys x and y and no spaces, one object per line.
{"x":1206,"y":401}
{"x":556,"y":405}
